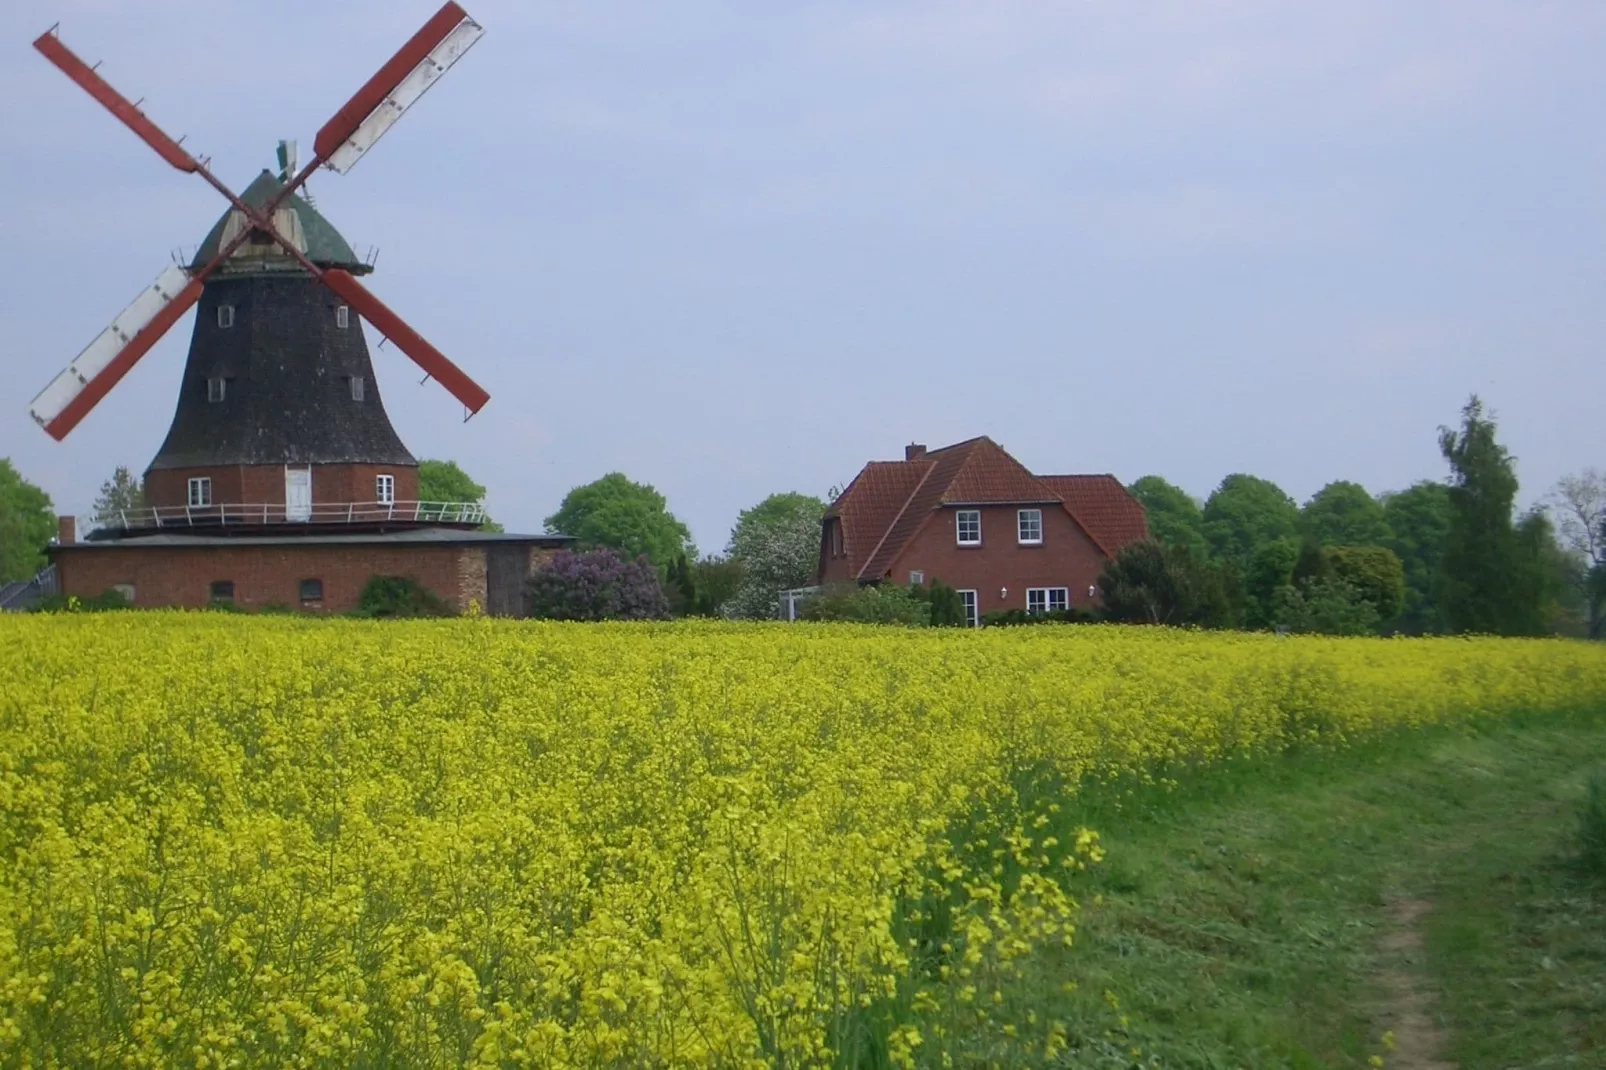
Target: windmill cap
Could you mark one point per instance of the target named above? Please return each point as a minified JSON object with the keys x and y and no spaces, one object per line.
{"x":324,"y":245}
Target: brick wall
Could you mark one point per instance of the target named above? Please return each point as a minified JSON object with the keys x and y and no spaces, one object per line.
{"x":262,"y":575}
{"x":1066,"y":558}
{"x":264,"y":484}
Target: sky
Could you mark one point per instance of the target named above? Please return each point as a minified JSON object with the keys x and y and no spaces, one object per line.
{"x":732,"y":249}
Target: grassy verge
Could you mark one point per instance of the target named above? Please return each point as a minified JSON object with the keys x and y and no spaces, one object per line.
{"x":1252,"y":918}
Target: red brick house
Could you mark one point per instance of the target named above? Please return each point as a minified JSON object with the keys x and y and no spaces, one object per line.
{"x":973,"y":517}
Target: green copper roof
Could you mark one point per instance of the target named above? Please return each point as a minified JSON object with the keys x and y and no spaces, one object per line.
{"x":325,"y":246}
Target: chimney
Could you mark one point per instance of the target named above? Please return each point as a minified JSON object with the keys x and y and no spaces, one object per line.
{"x":66,"y":529}
{"x":914,"y":452}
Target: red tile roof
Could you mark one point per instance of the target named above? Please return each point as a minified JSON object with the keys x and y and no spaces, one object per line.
{"x":1104,"y":508}
{"x":889,"y":501}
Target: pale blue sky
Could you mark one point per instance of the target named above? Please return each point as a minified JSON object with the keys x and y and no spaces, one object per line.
{"x":732,"y":249}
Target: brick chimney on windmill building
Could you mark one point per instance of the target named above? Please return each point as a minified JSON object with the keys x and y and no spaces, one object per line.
{"x":914,"y":452}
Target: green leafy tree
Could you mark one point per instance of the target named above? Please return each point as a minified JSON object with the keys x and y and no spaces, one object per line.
{"x":1419,"y":520}
{"x":1246,"y":513}
{"x":27,"y":523}
{"x":1344,"y":514}
{"x":1150,"y":582}
{"x":616,"y":513}
{"x":1488,"y":574}
{"x":444,"y":481}
{"x":701,"y":588}
{"x":1555,"y":578}
{"x":1374,"y":573}
{"x":120,"y":496}
{"x":1271,"y":568}
{"x":1174,"y":516}
{"x":777,"y":543}
{"x":1328,"y":606}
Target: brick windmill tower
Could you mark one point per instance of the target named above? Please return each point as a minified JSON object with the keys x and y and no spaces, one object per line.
{"x":281,"y":480}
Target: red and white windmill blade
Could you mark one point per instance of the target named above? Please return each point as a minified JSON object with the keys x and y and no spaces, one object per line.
{"x":339,"y":145}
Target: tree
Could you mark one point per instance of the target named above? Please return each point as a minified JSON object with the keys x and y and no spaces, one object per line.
{"x":596,"y":585}
{"x":1344,"y":514}
{"x":1244,"y":514}
{"x":777,"y":544}
{"x":1419,"y":519}
{"x":444,"y":481}
{"x":1149,"y":582}
{"x":1374,"y":573}
{"x":615,"y":513}
{"x":1326,"y":607}
{"x":1488,"y":575}
{"x":120,"y":495}
{"x":1173,"y":515}
{"x":27,"y":522}
{"x":1271,"y":568}
{"x":701,"y":588}
{"x":1579,"y":502}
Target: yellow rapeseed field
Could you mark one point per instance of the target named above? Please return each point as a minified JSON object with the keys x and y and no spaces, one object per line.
{"x":234,"y":841}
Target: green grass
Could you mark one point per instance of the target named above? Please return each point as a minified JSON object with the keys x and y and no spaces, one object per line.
{"x":1245,"y":920}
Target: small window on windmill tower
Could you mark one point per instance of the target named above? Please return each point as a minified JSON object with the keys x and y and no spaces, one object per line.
{"x":216,"y":389}
{"x":357,"y":387}
{"x":225,"y":315}
{"x":342,"y":317}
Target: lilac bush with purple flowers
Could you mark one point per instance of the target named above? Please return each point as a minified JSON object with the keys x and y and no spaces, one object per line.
{"x":597,"y":585}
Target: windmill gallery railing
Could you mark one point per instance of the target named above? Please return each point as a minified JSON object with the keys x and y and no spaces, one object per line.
{"x":269,"y":514}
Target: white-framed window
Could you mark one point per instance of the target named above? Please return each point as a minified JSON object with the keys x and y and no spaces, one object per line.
{"x":917,"y":577}
{"x":1047,"y":599}
{"x":385,"y":490}
{"x":967,"y":525}
{"x":358,"y":387}
{"x":1029,"y":526}
{"x":126,"y":590}
{"x":342,"y":317}
{"x":200,"y":492}
{"x":836,"y":536}
{"x":972,"y":608}
{"x":216,"y":388}
{"x":225,"y":315}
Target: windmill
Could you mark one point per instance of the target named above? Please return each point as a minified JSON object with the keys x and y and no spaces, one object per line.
{"x":266,"y":227}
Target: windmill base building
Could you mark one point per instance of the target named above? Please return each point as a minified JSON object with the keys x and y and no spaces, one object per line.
{"x":281,"y":482}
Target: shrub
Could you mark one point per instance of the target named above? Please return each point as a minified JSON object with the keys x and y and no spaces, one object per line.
{"x":1592,"y":826}
{"x":398,"y":596}
{"x":61,"y":603}
{"x":597,"y":585}
{"x":1006,"y":618}
{"x":1151,"y":583}
{"x":883,"y":604}
{"x":947,"y":608}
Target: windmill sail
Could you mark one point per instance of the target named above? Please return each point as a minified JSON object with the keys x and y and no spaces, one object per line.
{"x":70,"y":395}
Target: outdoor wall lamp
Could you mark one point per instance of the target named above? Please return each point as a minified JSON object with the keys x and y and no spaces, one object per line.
{"x":1003,"y":592}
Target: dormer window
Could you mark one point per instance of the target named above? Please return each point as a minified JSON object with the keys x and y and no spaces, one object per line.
{"x":342,"y":317}
{"x":225,"y":315}
{"x":357,"y":388}
{"x":216,"y":388}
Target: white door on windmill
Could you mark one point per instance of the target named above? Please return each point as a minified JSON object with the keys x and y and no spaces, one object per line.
{"x":297,"y":494}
